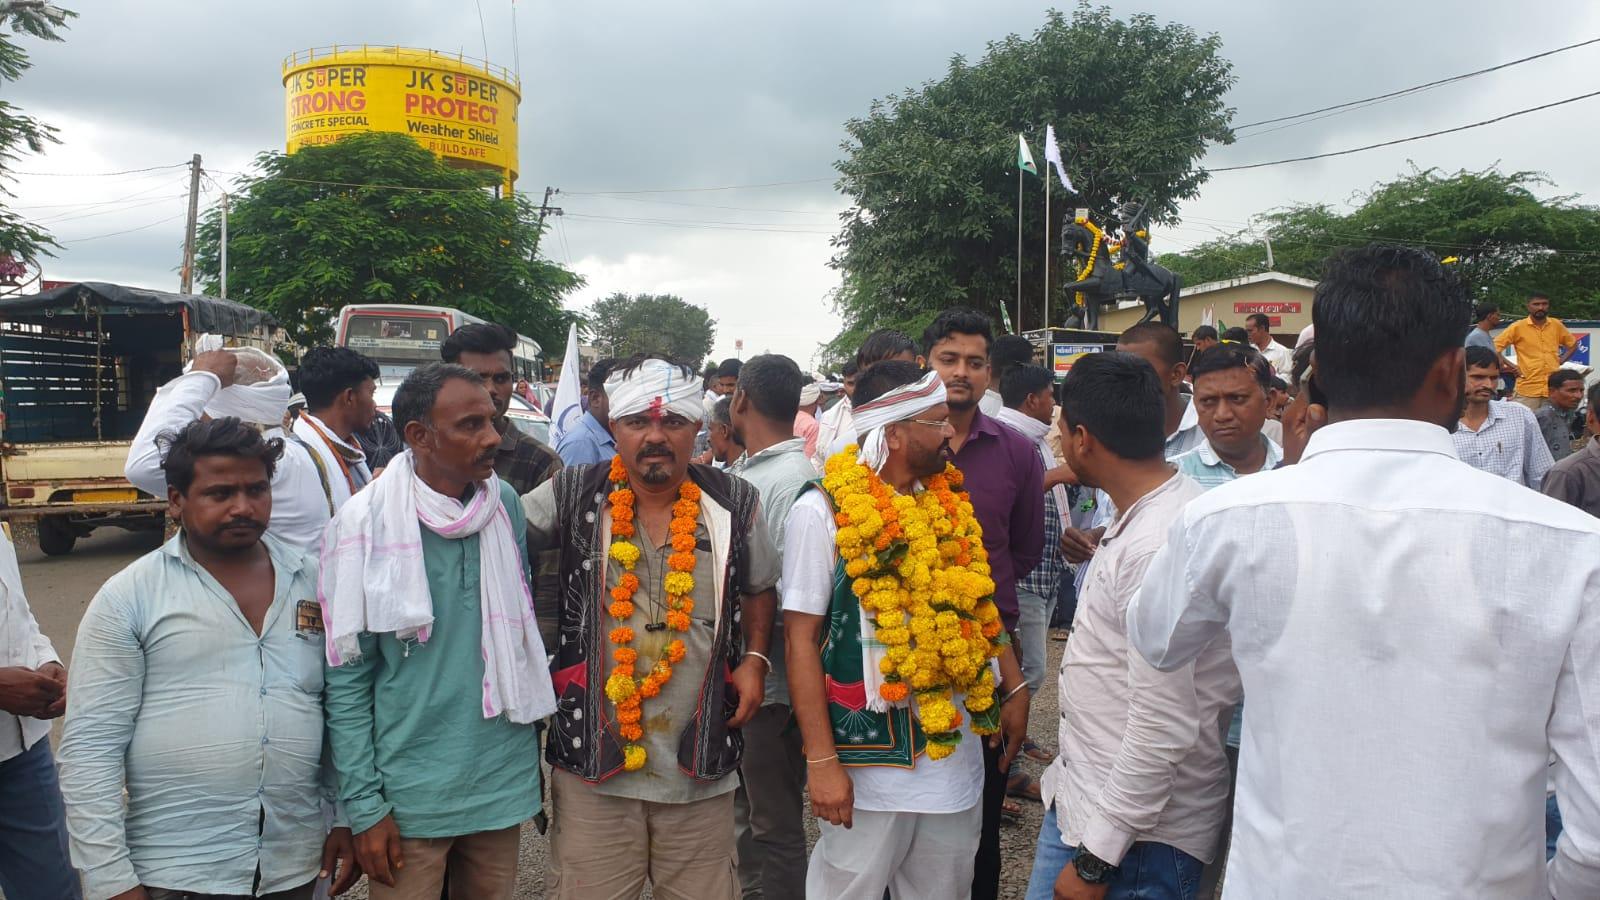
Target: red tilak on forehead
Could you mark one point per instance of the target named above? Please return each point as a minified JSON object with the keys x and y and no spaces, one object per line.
{"x":657,"y":409}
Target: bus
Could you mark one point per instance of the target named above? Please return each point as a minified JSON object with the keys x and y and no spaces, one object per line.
{"x":401,"y":337}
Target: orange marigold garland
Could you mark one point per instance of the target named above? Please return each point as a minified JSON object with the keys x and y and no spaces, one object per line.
{"x":627,"y":692}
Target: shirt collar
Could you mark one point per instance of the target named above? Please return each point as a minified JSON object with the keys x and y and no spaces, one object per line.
{"x":1191,"y":417}
{"x":1127,"y":515}
{"x":1402,"y":435}
{"x":983,"y":424}
{"x":333,"y":436}
{"x":1210,"y":457}
{"x":284,"y":561}
{"x":595,"y":428}
{"x":746,"y":461}
{"x":1497,"y":411}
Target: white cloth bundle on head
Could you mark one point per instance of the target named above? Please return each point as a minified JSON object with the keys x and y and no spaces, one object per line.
{"x":655,"y":385}
{"x":260,"y":390}
{"x":809,"y":394}
{"x":897,"y":405}
{"x":374,"y":580}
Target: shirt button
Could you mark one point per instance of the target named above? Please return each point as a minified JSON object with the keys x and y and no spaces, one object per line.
{"x":263,"y":692}
{"x":263,"y":740}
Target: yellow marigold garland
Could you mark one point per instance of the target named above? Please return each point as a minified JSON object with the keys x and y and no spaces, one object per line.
{"x":918,"y":566}
{"x":622,"y":688}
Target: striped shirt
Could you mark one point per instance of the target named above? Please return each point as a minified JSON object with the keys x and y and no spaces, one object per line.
{"x":1204,"y":466}
{"x":1508,"y":444}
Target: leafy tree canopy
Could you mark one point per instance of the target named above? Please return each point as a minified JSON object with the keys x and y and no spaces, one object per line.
{"x":377,"y":218}
{"x":933,"y":178}
{"x":626,"y":324}
{"x":18,"y":131}
{"x":1507,"y":239}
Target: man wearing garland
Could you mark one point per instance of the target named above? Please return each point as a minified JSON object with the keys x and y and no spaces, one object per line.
{"x":892,"y":632}
{"x":666,"y":609}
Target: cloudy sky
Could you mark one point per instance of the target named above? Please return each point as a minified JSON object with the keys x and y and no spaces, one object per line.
{"x":660,"y":97}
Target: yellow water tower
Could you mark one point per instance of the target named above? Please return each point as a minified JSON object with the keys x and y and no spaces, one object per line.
{"x":462,"y":109}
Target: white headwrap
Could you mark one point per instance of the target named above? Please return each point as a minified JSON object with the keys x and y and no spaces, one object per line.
{"x":655,"y":384}
{"x":260,"y":390}
{"x":902,"y":403}
{"x":809,"y":394}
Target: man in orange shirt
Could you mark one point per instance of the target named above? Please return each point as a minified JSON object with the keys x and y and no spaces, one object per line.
{"x":1542,"y":345}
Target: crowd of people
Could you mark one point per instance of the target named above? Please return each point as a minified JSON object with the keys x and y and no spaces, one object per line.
{"x":718,"y":598}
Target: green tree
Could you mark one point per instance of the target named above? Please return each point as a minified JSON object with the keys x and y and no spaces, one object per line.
{"x":19,"y":131}
{"x":932,"y":171}
{"x":626,"y":324}
{"x":376,"y":218}
{"x":1507,"y":240}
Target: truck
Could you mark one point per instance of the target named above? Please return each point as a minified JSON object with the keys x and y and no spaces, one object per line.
{"x":79,"y":365}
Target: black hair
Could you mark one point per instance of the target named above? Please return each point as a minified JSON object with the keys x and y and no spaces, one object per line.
{"x":1224,"y":357}
{"x":1166,"y":338}
{"x":1537,"y":295}
{"x":1481,"y":357}
{"x":479,"y":337}
{"x":226,"y":436}
{"x":1562,"y":376}
{"x":1383,"y":315}
{"x":1594,"y":399}
{"x":1483,"y":311}
{"x":1302,"y":361}
{"x":1021,"y":382}
{"x":1236,"y":335}
{"x":1278,"y":384}
{"x":721,"y":412}
{"x":1010,"y":350}
{"x":1117,"y":397}
{"x":773,"y":383}
{"x":1259,"y":320}
{"x":327,"y":372}
{"x":1204,"y":333}
{"x":728,"y":368}
{"x":880,"y":379}
{"x":414,"y":400}
{"x":595,"y":380}
{"x":885,"y":343}
{"x":957,"y":320}
{"x":851,"y":367}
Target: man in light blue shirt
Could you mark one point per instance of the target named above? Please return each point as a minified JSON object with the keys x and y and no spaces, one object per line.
{"x":197,"y":683}
{"x":589,"y":439}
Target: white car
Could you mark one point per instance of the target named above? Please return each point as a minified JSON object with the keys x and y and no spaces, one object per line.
{"x":522,"y":414}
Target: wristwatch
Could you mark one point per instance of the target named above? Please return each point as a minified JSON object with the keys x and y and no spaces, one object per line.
{"x":1092,"y":869}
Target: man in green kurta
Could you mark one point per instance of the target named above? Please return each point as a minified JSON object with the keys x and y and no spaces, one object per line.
{"x":430,"y":714}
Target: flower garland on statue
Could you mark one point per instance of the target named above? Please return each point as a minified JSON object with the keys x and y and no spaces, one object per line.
{"x":624,"y":690}
{"x":918,"y":566}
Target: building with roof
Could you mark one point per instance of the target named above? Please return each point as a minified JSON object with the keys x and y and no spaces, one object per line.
{"x":1286,"y":299}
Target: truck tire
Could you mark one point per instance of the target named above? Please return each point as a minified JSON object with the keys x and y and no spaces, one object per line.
{"x":56,"y":536}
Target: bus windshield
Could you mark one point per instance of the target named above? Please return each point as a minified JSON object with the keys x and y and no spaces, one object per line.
{"x":404,"y":338}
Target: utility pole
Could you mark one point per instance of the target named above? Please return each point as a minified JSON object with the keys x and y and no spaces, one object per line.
{"x":186,"y":283}
{"x":223,"y":250}
{"x":545,"y":209}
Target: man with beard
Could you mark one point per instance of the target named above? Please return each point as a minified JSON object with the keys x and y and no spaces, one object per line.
{"x":900,"y":808}
{"x":1393,"y":670}
{"x":1498,"y":436}
{"x":1542,"y":345}
{"x":197,"y":686}
{"x":666,"y":609}
{"x":1005,"y":477}
{"x":436,"y":671}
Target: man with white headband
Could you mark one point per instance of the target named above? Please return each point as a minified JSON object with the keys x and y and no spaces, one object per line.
{"x":892,"y":720}
{"x":253,"y":387}
{"x":805,"y":421}
{"x":666,"y":607}
{"x":436,"y":672}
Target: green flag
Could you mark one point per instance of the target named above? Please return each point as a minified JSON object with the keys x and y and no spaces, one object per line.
{"x":1025,"y":158}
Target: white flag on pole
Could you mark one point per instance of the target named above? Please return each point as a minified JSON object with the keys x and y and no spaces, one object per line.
{"x":1209,"y":317}
{"x":568,"y":403}
{"x":1052,"y":155}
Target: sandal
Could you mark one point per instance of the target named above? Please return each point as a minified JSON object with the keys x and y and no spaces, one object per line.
{"x":1010,"y":812}
{"x":1037,"y":753}
{"x":1022,"y":785}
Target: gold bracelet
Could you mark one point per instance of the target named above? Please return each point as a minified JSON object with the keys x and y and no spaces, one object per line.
{"x":812,"y":762}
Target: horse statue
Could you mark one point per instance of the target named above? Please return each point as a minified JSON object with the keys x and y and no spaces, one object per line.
{"x":1102,"y":280}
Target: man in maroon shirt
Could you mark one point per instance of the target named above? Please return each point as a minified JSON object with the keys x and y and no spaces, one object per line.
{"x":1005,"y":479}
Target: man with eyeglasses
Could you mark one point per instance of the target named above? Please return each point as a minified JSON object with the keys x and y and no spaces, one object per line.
{"x":522,"y":461}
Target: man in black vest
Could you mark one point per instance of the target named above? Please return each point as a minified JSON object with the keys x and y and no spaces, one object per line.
{"x":666,"y":606}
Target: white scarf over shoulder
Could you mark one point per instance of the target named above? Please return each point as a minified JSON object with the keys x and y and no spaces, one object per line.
{"x":1036,"y":431}
{"x":373,"y":580}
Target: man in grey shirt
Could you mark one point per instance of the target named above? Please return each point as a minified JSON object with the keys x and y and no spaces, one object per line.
{"x":1576,"y":479}
{"x":1486,"y":318}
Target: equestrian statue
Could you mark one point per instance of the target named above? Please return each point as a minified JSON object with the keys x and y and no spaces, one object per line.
{"x":1114,"y":264}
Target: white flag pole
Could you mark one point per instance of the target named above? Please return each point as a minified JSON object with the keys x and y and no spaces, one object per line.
{"x":567,"y":405}
{"x":1019,"y":249}
{"x":1047,"y":255}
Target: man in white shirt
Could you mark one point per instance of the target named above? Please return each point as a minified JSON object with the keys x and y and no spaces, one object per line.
{"x":338,"y":384}
{"x":1498,"y":436}
{"x":1258,"y":328}
{"x":1135,"y":802}
{"x":1405,"y":696}
{"x":33,"y":690}
{"x":880,"y":346}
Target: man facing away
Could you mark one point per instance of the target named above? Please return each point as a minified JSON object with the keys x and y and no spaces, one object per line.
{"x":338,"y":384}
{"x":769,"y":808}
{"x":590,"y":441}
{"x":1135,"y":801}
{"x":667,"y":574}
{"x":522,"y":461}
{"x":1498,"y":436}
{"x":197,"y":689}
{"x":436,"y":672}
{"x":257,"y":392}
{"x":1365,"y":628}
{"x":1576,"y":479}
{"x":1560,"y":423}
{"x":1005,"y":479}
{"x":1258,"y":328}
{"x":33,"y":690}
{"x":725,"y":446}
{"x":1542,"y":345}
{"x":893,"y":815}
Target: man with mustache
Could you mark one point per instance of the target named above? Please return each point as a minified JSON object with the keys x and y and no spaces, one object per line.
{"x":1543,"y":344}
{"x":1498,"y":436}
{"x":666,"y":610}
{"x":436,"y":670}
{"x":197,"y":686}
